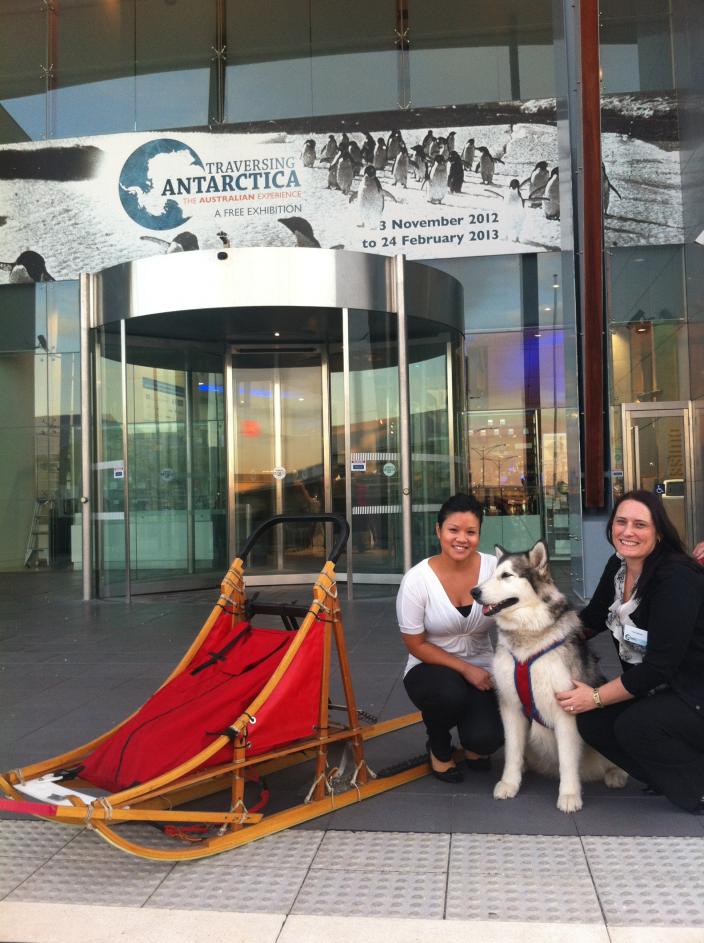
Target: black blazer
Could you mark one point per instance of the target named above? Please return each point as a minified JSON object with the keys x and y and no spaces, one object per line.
{"x":672,"y":613}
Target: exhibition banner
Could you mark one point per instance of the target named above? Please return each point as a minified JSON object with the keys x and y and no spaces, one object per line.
{"x":81,"y":205}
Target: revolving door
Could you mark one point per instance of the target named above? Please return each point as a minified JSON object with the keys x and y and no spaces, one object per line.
{"x":226,"y":390}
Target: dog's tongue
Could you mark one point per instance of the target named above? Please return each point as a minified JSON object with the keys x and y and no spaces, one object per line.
{"x":486,"y":610}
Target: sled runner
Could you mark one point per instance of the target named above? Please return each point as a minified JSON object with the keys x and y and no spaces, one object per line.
{"x":242,"y":704}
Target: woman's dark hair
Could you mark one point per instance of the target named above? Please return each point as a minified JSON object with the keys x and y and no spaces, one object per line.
{"x":669,"y":543}
{"x":460,"y":504}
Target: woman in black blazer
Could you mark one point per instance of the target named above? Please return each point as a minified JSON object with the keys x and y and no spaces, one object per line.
{"x":650,"y":719}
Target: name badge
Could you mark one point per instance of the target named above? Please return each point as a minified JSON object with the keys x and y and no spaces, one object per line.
{"x":634,"y":635}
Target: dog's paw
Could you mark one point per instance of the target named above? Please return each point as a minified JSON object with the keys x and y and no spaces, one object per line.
{"x":615,"y":778}
{"x":504,"y":790}
{"x":569,"y":802}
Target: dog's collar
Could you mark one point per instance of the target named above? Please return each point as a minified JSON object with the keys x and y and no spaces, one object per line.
{"x":524,"y":688}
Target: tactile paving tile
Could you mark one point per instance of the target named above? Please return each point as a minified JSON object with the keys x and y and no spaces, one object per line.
{"x":520,"y":877}
{"x":223,"y":883}
{"x":649,"y":881}
{"x":383,"y":851}
{"x":361,"y":894}
{"x":33,"y":840}
{"x":89,"y":871}
{"x":27,"y":846}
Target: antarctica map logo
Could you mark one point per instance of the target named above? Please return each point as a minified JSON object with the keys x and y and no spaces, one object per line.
{"x":145,"y":191}
{"x":162,"y":177}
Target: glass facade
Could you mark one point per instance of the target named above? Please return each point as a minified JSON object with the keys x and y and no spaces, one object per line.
{"x":507,"y":396}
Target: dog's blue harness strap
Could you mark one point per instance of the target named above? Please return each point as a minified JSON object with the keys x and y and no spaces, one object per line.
{"x":524,"y":687}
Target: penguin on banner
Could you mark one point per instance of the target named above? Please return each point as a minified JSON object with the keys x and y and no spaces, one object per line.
{"x":302,"y":230}
{"x":400,"y":170}
{"x":183,"y":242}
{"x":368,"y":148}
{"x":380,"y":154}
{"x":437,"y":180}
{"x":537,"y":180}
{"x":468,"y":154}
{"x":418,"y":163}
{"x":486,"y":165}
{"x":329,"y":151}
{"x":455,"y":174}
{"x":551,"y":197}
{"x":370,"y":197}
{"x":345,"y":170}
{"x":308,"y":155}
{"x":514,"y":215}
{"x":29,"y":267}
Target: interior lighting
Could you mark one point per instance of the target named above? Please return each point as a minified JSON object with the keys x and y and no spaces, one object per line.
{"x":642,"y":329}
{"x":276,"y":334}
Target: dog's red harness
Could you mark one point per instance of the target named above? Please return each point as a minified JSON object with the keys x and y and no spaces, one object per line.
{"x":524,"y":688}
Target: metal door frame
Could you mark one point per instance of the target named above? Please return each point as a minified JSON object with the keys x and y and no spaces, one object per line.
{"x":681,"y":409}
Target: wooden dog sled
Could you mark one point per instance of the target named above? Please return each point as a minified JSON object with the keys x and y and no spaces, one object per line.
{"x":242,"y":704}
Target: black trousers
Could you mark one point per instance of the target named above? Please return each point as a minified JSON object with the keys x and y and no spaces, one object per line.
{"x":446,"y":700}
{"x":657,"y":739}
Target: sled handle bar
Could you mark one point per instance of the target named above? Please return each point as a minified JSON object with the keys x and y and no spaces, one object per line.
{"x":341,"y":531}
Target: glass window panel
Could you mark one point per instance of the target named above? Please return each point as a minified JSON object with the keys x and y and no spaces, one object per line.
{"x":40,"y":439}
{"x":173,"y":63}
{"x":268,"y":69}
{"x":95,"y":85}
{"x":649,"y":356}
{"x":636,"y":46}
{"x":354,"y":58}
{"x":492,"y":290}
{"x":463,"y":53}
{"x":23,"y":44}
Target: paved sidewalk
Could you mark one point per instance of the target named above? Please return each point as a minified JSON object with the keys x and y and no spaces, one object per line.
{"x":425,"y":862}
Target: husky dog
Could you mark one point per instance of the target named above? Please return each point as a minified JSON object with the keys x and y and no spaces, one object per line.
{"x":540,"y":650}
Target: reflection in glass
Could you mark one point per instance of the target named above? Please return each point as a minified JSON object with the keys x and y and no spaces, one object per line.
{"x":278,"y":453}
{"x":461,"y":53}
{"x":40,"y":434}
{"x":23,"y":45}
{"x":373,"y":463}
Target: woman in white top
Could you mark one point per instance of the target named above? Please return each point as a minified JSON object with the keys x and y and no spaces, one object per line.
{"x":448,"y":673}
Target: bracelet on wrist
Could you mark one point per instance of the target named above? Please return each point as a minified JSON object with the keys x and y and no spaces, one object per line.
{"x":597,"y":698}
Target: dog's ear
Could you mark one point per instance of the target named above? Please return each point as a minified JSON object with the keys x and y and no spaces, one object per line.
{"x":499,"y":551}
{"x":538,"y":556}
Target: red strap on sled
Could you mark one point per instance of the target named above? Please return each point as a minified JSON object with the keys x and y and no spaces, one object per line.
{"x":27,"y":808}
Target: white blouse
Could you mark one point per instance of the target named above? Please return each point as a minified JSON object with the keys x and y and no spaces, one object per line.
{"x":422,"y":605}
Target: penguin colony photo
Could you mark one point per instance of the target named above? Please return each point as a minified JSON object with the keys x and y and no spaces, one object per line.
{"x":437,"y":169}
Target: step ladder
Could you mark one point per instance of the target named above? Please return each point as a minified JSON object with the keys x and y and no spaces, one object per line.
{"x":38,"y":537}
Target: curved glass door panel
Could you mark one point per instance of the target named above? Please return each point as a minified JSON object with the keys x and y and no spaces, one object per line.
{"x":169,"y":490}
{"x":176,"y":461}
{"x":436,"y":395}
{"x":371,"y":456}
{"x":109,"y":468}
{"x":278,"y":456}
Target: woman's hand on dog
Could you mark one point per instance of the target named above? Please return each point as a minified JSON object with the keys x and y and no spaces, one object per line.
{"x":481,"y":679}
{"x":577,"y":700}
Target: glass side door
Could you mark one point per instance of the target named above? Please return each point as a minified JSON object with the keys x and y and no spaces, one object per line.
{"x":658,"y":458}
{"x":278,"y":456}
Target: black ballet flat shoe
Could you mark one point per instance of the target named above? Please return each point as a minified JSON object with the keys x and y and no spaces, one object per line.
{"x":649,"y":790}
{"x":451,"y":775}
{"x":479,"y":765}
